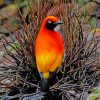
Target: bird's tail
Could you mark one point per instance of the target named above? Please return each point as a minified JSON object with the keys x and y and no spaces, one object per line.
{"x":44,"y":84}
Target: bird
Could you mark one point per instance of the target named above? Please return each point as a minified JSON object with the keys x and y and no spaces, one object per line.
{"x":49,"y":49}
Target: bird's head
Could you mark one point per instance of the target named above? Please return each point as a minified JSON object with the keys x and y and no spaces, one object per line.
{"x":51,"y":23}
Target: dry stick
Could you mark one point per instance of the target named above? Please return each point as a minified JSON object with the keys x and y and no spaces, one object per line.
{"x":22,"y":79}
{"x":89,"y":47}
{"x":74,"y":55}
{"x":68,"y":87}
{"x":91,"y":62}
{"x":25,"y":81}
{"x":26,"y":27}
{"x":10,"y":28}
{"x":35,"y":95}
{"x":92,"y":50}
{"x":65,"y":85}
{"x":52,"y":12}
{"x":29,"y":48}
{"x":80,"y":27}
{"x":90,"y":42}
{"x":7,"y":51}
{"x":11,"y":36}
{"x":11,"y":55}
{"x":74,"y":95}
{"x":11,"y":45}
{"x":12,"y":71}
{"x":38,"y":13}
{"x":68,"y":93}
{"x":57,"y":85}
{"x":77,"y":52}
{"x":87,"y":59}
{"x":5,"y":86}
{"x":74,"y":27}
{"x":58,"y":8}
{"x":76,"y":69}
{"x":8,"y":25}
{"x":21,"y":30}
{"x":19,"y":39}
{"x":68,"y":96}
{"x":3,"y":64}
{"x":9,"y":60}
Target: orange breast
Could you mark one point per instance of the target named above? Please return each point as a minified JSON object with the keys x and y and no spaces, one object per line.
{"x":49,"y":49}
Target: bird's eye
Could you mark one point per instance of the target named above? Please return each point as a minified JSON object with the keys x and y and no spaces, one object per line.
{"x":49,"y":21}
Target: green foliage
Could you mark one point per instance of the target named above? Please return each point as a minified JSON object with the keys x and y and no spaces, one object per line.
{"x":93,"y":22}
{"x":12,"y":47}
{"x":95,"y":94}
{"x":81,"y":2}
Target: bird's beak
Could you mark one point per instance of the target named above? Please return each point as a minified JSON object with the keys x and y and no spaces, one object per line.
{"x":57,"y":28}
{"x":59,"y":22}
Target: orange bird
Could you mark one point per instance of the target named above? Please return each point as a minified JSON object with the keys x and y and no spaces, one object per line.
{"x":49,"y":48}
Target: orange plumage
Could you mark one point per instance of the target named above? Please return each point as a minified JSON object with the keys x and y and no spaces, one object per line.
{"x":49,"y":47}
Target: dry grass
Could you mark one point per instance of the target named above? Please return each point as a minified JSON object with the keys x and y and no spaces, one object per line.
{"x":80,"y":70}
